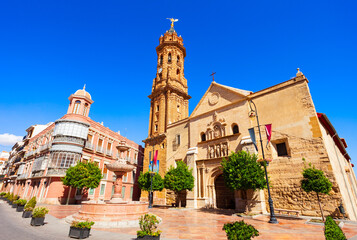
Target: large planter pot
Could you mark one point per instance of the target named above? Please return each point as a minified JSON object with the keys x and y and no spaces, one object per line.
{"x":36,"y":221}
{"x":20,"y":208}
{"x":147,"y":237}
{"x":79,"y":233}
{"x":14,"y":205}
{"x":27,"y":214}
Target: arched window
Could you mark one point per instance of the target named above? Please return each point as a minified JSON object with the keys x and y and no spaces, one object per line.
{"x":178,"y":58}
{"x":85,"y":109}
{"x":178,"y":71}
{"x":77,"y":104}
{"x":203,"y":137}
{"x":235,"y":128}
{"x":161,"y":59}
{"x":169,"y":58}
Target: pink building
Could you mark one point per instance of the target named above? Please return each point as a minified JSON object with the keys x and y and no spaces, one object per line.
{"x":75,"y":137}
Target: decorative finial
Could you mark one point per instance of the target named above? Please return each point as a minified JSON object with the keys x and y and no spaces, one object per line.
{"x":84,"y":87}
{"x":213,"y":73}
{"x":299,"y":73}
{"x":172,"y":21}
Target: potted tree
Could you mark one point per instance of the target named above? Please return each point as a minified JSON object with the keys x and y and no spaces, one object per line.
{"x":148,"y":228}
{"x":14,"y":199}
{"x":20,"y":205}
{"x":80,"y":230}
{"x":38,"y":216}
{"x":2,"y":195}
{"x":9,"y":198}
{"x":29,"y":207}
{"x":83,"y":176}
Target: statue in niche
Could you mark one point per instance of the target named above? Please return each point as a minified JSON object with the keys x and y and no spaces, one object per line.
{"x":218,"y":150}
{"x":211,"y":151}
{"x":224,"y":149}
{"x":217,"y":131}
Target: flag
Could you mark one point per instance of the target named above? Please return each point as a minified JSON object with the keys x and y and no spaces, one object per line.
{"x":155,"y":157}
{"x":252,"y":137}
{"x":268,"y":132}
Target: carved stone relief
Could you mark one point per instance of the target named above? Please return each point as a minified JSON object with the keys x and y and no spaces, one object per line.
{"x":218,"y":150}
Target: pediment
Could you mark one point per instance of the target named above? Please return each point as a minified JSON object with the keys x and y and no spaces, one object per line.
{"x":218,"y":96}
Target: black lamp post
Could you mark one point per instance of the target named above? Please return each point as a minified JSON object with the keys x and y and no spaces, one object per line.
{"x":271,"y":207}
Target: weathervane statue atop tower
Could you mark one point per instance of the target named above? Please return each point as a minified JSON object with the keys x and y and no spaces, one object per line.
{"x":172,"y":21}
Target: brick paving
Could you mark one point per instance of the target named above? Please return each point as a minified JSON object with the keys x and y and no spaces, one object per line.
{"x":207,"y":224}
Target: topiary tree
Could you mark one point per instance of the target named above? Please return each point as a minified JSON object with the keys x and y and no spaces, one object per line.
{"x":30,"y":205}
{"x":315,"y":181}
{"x":179,"y":178}
{"x":83,"y":176}
{"x":241,"y":171}
{"x":144,"y":182}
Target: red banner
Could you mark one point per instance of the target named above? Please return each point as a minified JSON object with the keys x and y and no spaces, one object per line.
{"x":268,"y":132}
{"x":155,"y":157}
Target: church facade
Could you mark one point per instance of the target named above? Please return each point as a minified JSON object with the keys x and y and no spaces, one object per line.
{"x":219,"y":125}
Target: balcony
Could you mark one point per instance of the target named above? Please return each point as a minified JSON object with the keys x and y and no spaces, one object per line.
{"x":22,"y":176}
{"x":89,"y":146}
{"x":45,"y":147}
{"x":56,"y":172}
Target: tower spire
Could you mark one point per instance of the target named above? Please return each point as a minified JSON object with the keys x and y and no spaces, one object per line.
{"x":172,"y":24}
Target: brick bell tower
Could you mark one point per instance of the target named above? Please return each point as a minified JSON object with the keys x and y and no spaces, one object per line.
{"x":169,"y":101}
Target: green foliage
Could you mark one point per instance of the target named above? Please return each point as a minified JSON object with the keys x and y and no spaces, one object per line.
{"x":85,"y":224}
{"x":240,"y":231}
{"x":315,"y":180}
{"x":83,"y":176}
{"x":21,"y":202}
{"x":7,"y":195}
{"x":148,"y":226}
{"x":2,"y":194}
{"x":332,"y":230}
{"x":241,"y":171}
{"x":179,"y":178}
{"x":145,"y":182}
{"x":31,"y":204}
{"x":11,"y":197}
{"x":40,"y":212}
{"x":15,"y":198}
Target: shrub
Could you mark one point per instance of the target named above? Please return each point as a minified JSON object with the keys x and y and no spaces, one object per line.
{"x":31,"y":204}
{"x":2,"y":194}
{"x":332,"y":230}
{"x":148,"y":225}
{"x":10,"y":197}
{"x":40,"y":212}
{"x":240,"y":231}
{"x":15,"y":198}
{"x":144,"y":182}
{"x":85,"y":224}
{"x":7,"y":195}
{"x":21,"y":202}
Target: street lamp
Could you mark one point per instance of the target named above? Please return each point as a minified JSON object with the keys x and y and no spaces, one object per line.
{"x":271,"y":207}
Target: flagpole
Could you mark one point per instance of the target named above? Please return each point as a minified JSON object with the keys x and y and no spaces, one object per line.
{"x":151,"y":175}
{"x":270,"y":200}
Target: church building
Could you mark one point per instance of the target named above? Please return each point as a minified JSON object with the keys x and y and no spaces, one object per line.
{"x":220,"y":124}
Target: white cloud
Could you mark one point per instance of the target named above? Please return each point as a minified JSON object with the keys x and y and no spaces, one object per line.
{"x":7,"y":139}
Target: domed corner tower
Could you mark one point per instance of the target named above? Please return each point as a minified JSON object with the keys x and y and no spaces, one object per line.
{"x":80,"y":102}
{"x":169,"y":101}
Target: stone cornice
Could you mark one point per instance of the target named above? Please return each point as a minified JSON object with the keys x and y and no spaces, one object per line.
{"x":169,"y":88}
{"x":172,"y":43}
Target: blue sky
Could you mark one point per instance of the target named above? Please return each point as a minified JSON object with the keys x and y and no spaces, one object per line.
{"x":49,"y":49}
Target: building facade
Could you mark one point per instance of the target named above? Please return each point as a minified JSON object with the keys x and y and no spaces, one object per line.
{"x":219,"y":125}
{"x":47,"y":154}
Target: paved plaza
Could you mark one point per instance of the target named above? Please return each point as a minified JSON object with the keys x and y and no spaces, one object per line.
{"x":176,"y":224}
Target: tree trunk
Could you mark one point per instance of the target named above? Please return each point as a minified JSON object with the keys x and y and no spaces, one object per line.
{"x":322,"y":213}
{"x":178,"y":199}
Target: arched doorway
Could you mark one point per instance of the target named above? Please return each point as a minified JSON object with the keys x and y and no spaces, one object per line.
{"x":224,"y":195}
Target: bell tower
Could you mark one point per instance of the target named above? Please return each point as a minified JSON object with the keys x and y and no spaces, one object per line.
{"x":169,"y":99}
